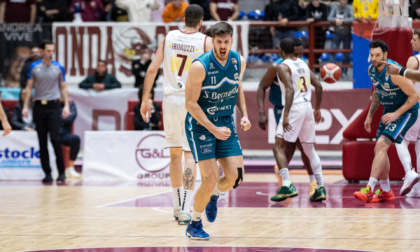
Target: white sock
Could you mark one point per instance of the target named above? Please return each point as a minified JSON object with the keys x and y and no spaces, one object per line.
{"x":404,"y":155}
{"x":186,"y":203}
{"x":284,"y":173}
{"x":311,"y":178}
{"x":385,"y":185}
{"x":177,"y":192}
{"x":196,"y":216}
{"x":216,"y":191}
{"x":372,"y":183}
{"x":319,"y":180}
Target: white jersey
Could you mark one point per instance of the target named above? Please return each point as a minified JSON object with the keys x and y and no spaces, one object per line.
{"x":180,"y":50}
{"x":301,"y":81}
{"x":417,"y":84}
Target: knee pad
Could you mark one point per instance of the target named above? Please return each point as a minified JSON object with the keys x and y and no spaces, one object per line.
{"x":239,"y":179}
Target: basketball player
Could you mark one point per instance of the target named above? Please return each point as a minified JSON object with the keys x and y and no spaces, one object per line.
{"x":270,"y":80}
{"x":400,"y":100}
{"x":297,"y":120}
{"x":176,"y":52}
{"x":213,"y":89}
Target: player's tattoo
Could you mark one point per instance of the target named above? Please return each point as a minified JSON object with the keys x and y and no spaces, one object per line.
{"x":188,"y":179}
{"x":374,"y":103}
{"x":387,"y":140}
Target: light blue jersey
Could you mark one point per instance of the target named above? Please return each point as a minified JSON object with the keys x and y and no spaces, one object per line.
{"x":219,"y":92}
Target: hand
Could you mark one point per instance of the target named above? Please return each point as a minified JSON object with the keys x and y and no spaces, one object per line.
{"x":25,"y":112}
{"x":284,"y":21}
{"x":262,"y":121}
{"x":66,"y":111}
{"x":6,"y":127}
{"x":222,"y":133}
{"x":368,"y":123}
{"x":245,"y":124}
{"x":272,"y":29}
{"x":286,"y":126}
{"x":145,"y":111}
{"x":392,"y":69}
{"x":317,"y":115}
{"x":28,"y":129}
{"x":389,"y":117}
{"x":310,"y":19}
{"x":338,"y":21}
{"x":98,"y":86}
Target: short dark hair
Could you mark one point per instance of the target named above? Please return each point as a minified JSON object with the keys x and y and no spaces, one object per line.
{"x":209,"y":31}
{"x":416,"y":32}
{"x":297,"y":42}
{"x":103,"y":61}
{"x":379,"y":43}
{"x":194,"y":13}
{"x":44,"y":43}
{"x":287,"y":46}
{"x":222,"y":28}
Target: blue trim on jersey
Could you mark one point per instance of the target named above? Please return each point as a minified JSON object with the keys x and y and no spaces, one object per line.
{"x":406,"y":119}
{"x":217,"y":62}
{"x":61,"y":68}
{"x":34,"y":64}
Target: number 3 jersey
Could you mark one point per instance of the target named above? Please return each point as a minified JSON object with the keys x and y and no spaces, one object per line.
{"x":301,"y":76}
{"x":219,"y":92}
{"x":180,"y":50}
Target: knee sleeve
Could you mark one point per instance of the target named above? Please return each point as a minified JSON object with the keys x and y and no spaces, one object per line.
{"x":239,"y":179}
{"x":310,"y":152}
{"x":403,"y":153}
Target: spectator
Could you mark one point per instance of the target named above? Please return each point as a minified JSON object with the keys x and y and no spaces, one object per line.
{"x":414,"y":9}
{"x":303,"y":4}
{"x":18,"y":121}
{"x":118,"y":14}
{"x":342,"y":14}
{"x":4,"y":121}
{"x":52,"y":11}
{"x":174,"y":11}
{"x":139,"y":67}
{"x":35,"y":55}
{"x":283,"y":11}
{"x":138,"y":11}
{"x":22,"y":11}
{"x":16,"y":65}
{"x":68,"y":139}
{"x":101,"y":79}
{"x":317,"y":11}
{"x":153,"y":124}
{"x":91,"y":10}
{"x":205,"y":4}
{"x":224,"y":10}
{"x":366,"y":11}
{"x":107,"y":9}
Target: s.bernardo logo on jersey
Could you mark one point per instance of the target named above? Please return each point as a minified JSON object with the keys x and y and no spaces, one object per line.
{"x":219,"y":97}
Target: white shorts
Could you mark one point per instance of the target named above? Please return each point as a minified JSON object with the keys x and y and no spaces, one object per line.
{"x":414,"y":132}
{"x":301,"y":118}
{"x":174,"y":114}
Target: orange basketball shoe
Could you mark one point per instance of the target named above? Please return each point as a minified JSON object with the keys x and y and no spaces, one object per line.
{"x":381,"y":196}
{"x":365,"y":194}
{"x":276,"y":172}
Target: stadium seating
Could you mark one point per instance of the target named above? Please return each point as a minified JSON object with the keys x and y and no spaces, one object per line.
{"x":129,"y":116}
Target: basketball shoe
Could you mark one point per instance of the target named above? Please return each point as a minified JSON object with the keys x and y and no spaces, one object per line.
{"x":319,"y":195}
{"x":285,"y":192}
{"x":365,"y":194}
{"x":211,"y":208}
{"x":195,"y":231}
{"x":183,"y":218}
{"x":276,"y":172}
{"x":415,"y":192}
{"x":176,"y":213}
{"x":312,"y":187}
{"x":381,"y":196}
{"x":410,"y":179}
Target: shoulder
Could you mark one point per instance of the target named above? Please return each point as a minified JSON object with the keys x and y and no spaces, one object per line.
{"x":55,"y":63}
{"x":34,"y":64}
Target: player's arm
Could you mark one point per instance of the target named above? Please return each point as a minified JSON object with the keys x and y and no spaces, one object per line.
{"x":318,"y":96}
{"x":209,"y":44}
{"x":4,"y":122}
{"x":265,"y":82}
{"x":27,"y":97}
{"x":411,"y":74}
{"x":374,"y":104}
{"x":240,"y":103}
{"x":193,"y":85}
{"x":413,"y":97}
{"x":283,"y":72}
{"x":152,"y":70}
{"x":65,"y":96}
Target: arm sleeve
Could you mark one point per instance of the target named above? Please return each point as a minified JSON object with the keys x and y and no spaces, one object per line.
{"x":87,"y":83}
{"x":112,"y":82}
{"x":350,"y":17}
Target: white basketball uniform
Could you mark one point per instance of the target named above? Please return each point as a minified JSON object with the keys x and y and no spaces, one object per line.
{"x":414,"y":132}
{"x":301,"y":116}
{"x":180,"y":49}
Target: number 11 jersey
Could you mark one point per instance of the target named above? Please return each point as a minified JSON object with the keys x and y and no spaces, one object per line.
{"x":180,"y":50}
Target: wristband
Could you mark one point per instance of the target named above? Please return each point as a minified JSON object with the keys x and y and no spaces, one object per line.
{"x":402,"y":71}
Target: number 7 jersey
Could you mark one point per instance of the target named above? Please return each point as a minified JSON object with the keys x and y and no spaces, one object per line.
{"x":180,"y":50}
{"x":301,"y":77}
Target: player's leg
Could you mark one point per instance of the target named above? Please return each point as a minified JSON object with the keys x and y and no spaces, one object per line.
{"x":307,"y":164}
{"x":319,"y":193}
{"x":278,"y":111}
{"x":175,"y":173}
{"x":189,"y":177}
{"x":411,"y":177}
{"x":415,"y":192}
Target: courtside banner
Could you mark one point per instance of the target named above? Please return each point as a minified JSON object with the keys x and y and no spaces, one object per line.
{"x":126,"y":156}
{"x":80,"y":46}
{"x":19,"y":157}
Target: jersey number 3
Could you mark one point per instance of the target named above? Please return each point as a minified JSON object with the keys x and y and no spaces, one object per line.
{"x":302,"y":84}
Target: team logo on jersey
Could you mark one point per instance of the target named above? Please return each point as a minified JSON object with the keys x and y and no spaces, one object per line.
{"x":211,"y":66}
{"x":202,"y":137}
{"x":235,"y":63}
{"x":179,"y":84}
{"x":386,"y":85}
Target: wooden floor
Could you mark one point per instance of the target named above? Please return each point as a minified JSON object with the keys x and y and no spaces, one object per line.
{"x":82,"y":215}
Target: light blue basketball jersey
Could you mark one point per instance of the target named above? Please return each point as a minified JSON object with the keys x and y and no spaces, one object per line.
{"x":220,"y":87}
{"x":390,"y":95}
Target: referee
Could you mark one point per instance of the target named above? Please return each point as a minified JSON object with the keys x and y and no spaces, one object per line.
{"x":47,"y":77}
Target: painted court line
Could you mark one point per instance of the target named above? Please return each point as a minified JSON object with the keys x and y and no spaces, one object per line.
{"x":127,"y":200}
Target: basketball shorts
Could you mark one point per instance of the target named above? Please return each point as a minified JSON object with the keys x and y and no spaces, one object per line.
{"x":397,"y":129}
{"x":174,"y":114}
{"x":301,"y":118}
{"x":204,"y":144}
{"x":278,"y":111}
{"x":414,"y":132}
